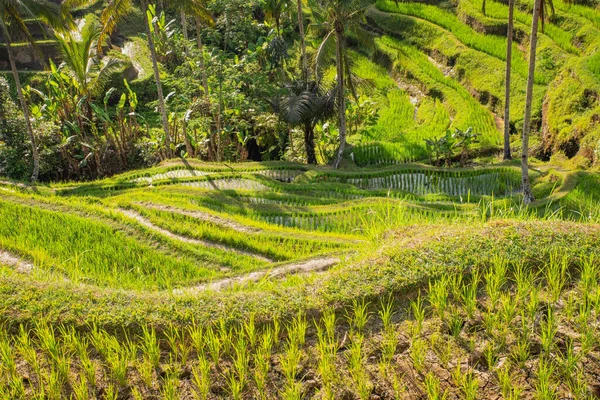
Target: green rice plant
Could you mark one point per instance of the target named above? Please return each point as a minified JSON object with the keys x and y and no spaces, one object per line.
{"x":443,"y":349}
{"x":505,"y":380}
{"x":54,"y":384}
{"x":213,"y":344}
{"x":201,"y":378}
{"x":418,"y":312}
{"x":432,"y":388}
{"x":290,"y":364}
{"x":520,"y":351}
{"x":81,"y":388}
{"x":276,"y":324}
{"x":398,"y":386}
{"x":491,"y":354}
{"x":137,"y":394}
{"x":556,"y":275}
{"x":26,"y":350}
{"x":356,"y":367}
{"x":467,"y":382}
{"x":225,"y":336}
{"x":490,"y":321}
{"x":150,"y":346}
{"x":234,"y":385}
{"x":533,"y":304}
{"x":438,"y":295}
{"x":250,"y":331}
{"x":118,"y":362}
{"x":327,"y":348}
{"x":569,"y":360}
{"x":111,"y":392}
{"x":196,"y":334}
{"x":578,"y":385}
{"x":455,"y":322}
{"x":469,"y":294}
{"x":360,"y":315}
{"x":456,"y":285}
{"x":589,"y":275}
{"x":18,"y":387}
{"x":170,"y":387}
{"x":495,"y":278}
{"x":584,"y":314}
{"x":297,"y":328}
{"x":524,"y":279}
{"x":545,"y":388}
{"x":508,"y":308}
{"x":588,"y":341}
{"x":388,"y":348}
{"x":418,"y":353}
{"x":386,"y":312}
{"x":145,"y":369}
{"x":262,"y":362}
{"x":9,"y":365}
{"x":241,"y":360}
{"x":548,"y":330}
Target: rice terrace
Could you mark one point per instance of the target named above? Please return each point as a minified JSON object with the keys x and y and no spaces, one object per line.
{"x":300,"y":199}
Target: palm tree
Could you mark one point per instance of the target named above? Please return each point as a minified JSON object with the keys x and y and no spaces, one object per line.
{"x":194,"y":8}
{"x":114,"y":11}
{"x":302,"y":43}
{"x":274,"y":10}
{"x":13,"y":13}
{"x":80,"y":54}
{"x":90,"y":75}
{"x":305,"y":104}
{"x":339,"y":17}
{"x":162,"y":108}
{"x":509,"y":40}
{"x":539,"y":9}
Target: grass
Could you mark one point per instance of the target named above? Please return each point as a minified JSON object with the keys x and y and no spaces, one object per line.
{"x":492,"y":45}
{"x":219,"y":355}
{"x":426,"y":280}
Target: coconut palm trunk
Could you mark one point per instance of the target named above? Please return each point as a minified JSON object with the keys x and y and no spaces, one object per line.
{"x":527,"y":193}
{"x":339,"y":35}
{"x":185,"y":33}
{"x":507,"y":80}
{"x":302,"y":42}
{"x":201,"y":50}
{"x":35,"y":155}
{"x":309,"y":142}
{"x":161,"y":99}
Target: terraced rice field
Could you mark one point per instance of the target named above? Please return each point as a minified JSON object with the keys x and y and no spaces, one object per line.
{"x":289,"y":281}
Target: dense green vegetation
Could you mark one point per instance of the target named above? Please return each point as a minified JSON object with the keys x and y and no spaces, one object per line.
{"x":278,"y":199}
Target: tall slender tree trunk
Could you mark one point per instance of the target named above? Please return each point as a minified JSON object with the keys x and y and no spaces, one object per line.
{"x":339,"y":35}
{"x":201,"y":50}
{"x":185,"y":33}
{"x":188,"y":145}
{"x":309,"y":143}
{"x":483,"y":7}
{"x":527,"y":193}
{"x":509,"y":40}
{"x":302,"y":43}
{"x":35,"y":155}
{"x":161,"y":99}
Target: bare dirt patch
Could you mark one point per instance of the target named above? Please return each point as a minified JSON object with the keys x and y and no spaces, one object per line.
{"x":301,"y":267}
{"x":204,"y":216}
{"x":143,"y":221}
{"x":20,"y":265}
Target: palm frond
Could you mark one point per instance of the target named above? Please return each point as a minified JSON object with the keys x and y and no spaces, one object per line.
{"x":114,"y":12}
{"x":325,"y":50}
